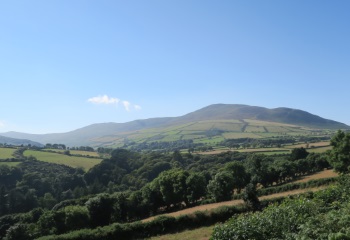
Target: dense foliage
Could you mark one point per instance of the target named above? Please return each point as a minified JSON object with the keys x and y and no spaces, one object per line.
{"x":323,"y":215}
{"x":130,"y":186}
{"x":340,"y":154}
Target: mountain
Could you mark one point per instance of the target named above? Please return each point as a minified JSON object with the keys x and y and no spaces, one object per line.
{"x":279,"y":115}
{"x":225,"y":118}
{"x":18,"y":142}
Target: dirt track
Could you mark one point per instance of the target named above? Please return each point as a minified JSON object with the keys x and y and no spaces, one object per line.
{"x":231,"y":203}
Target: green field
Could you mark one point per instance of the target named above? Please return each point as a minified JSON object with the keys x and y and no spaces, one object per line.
{"x":233,"y":135}
{"x":319,"y":149}
{"x":71,"y":161}
{"x":10,"y":164}
{"x":203,"y":233}
{"x":210,"y":132}
{"x":6,"y":153}
{"x":252,"y":128}
{"x":75,"y":152}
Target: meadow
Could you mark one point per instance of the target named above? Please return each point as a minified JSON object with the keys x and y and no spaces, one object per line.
{"x":75,"y":152}
{"x":71,"y":161}
{"x":6,"y":153}
{"x":10,"y":164}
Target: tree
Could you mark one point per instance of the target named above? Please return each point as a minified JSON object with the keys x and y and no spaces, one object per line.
{"x":240,"y":176}
{"x":196,"y":186}
{"x":172,"y":185}
{"x":18,"y":232}
{"x":76,"y":217}
{"x":340,"y":154}
{"x":257,"y":166}
{"x":100,"y":209}
{"x":250,"y":197}
{"x":298,"y":153}
{"x":221,"y":187}
{"x":3,"y":201}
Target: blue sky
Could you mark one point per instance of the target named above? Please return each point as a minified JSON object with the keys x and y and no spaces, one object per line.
{"x":67,"y":64}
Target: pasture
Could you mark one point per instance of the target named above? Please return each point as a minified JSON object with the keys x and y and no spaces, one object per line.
{"x":6,"y":153}
{"x":202,"y":233}
{"x":309,"y":145}
{"x":10,"y":164}
{"x":71,"y":161}
{"x":211,"y":132}
{"x":75,"y":152}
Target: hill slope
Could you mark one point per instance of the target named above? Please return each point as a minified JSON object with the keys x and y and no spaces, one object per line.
{"x":18,"y":142}
{"x":279,"y":115}
{"x":243,"y":119}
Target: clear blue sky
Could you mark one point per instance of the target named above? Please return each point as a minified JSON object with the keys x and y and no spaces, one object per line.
{"x":67,"y":64}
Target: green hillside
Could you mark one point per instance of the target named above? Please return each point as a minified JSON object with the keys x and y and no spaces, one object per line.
{"x":210,"y":132}
{"x":211,"y":124}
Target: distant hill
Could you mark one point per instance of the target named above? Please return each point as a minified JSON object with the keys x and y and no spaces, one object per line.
{"x":18,"y":142}
{"x":279,"y":115}
{"x":226,"y":120}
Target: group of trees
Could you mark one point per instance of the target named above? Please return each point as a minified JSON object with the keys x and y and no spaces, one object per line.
{"x":62,"y":146}
{"x":323,"y":215}
{"x":55,"y":146}
{"x":38,"y":184}
{"x":131,"y":185}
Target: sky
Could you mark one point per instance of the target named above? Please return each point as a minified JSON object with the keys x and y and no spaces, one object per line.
{"x":67,"y":64}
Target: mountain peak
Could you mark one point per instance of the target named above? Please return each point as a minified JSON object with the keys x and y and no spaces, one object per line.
{"x":101,"y":133}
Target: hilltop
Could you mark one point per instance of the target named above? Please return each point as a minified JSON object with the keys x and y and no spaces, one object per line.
{"x":212,"y":123}
{"x":17,"y":142}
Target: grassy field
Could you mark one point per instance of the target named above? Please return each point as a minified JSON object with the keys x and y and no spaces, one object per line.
{"x":82,"y":162}
{"x":310,"y":145}
{"x":203,"y":233}
{"x":6,"y":153}
{"x":236,"y":135}
{"x":227,"y":129}
{"x":324,"y":174}
{"x":212,"y":206}
{"x":10,"y":164}
{"x":75,"y":152}
{"x":319,"y":150}
{"x":318,"y":147}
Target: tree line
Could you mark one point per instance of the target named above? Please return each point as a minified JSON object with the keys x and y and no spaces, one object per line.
{"x":131,"y":185}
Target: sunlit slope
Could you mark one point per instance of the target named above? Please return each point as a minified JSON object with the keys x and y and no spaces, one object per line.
{"x":231,"y":120}
{"x":210,"y":131}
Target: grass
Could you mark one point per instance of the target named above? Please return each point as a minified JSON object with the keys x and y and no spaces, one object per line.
{"x":75,"y":152}
{"x":320,"y":149}
{"x":10,"y":164}
{"x":236,"y":135}
{"x":212,"y":206}
{"x":211,"y":140}
{"x":202,"y":233}
{"x":71,"y":161}
{"x":228,"y":129}
{"x":6,"y":153}
{"x":320,"y":175}
{"x":252,"y":128}
{"x":276,"y":129}
{"x":304,"y":145}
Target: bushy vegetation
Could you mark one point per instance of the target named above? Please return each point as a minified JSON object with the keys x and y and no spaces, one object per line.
{"x":45,"y":199}
{"x":323,"y":215}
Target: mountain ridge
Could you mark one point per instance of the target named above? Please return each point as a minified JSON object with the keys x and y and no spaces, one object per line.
{"x":18,"y":142}
{"x":87,"y":134}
